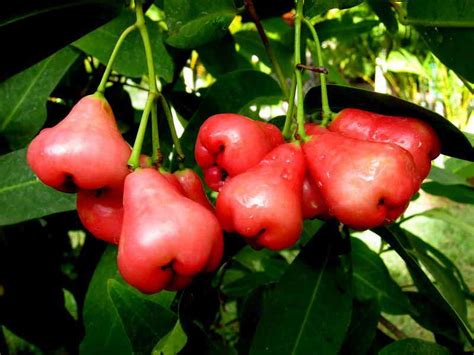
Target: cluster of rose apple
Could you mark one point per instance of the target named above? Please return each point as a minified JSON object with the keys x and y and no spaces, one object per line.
{"x":362,"y":170}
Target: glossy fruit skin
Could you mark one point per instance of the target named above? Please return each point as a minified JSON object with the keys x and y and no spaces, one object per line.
{"x":229,"y":144}
{"x":364,"y":184}
{"x":313,"y":204}
{"x":192,"y":186}
{"x":83,"y":151}
{"x":263,"y":204}
{"x":414,"y":135}
{"x":166,"y":238}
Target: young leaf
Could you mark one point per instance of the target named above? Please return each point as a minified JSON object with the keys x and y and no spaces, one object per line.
{"x":371,"y":279}
{"x":453,"y":142}
{"x":24,"y":96}
{"x":318,"y":7}
{"x":131,"y":59}
{"x":195,"y":23}
{"x":414,"y":347}
{"x":171,"y":343}
{"x":310,"y":308}
{"x":23,"y":196}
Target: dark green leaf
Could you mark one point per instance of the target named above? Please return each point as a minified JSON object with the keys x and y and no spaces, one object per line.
{"x":144,"y":320}
{"x":195,"y":23}
{"x":37,"y":29}
{"x":385,"y":13}
{"x":364,"y":320}
{"x":130,"y":60}
{"x":452,"y":47}
{"x":343,"y":28}
{"x":455,"y":13}
{"x":247,"y":283}
{"x":310,"y":307}
{"x":414,"y":347}
{"x":397,"y":239}
{"x":453,"y":141}
{"x":371,"y":279}
{"x":458,"y":193}
{"x":24,"y":96}
{"x":317,"y":7}
{"x":230,"y":93}
{"x":171,"y":343}
{"x":23,"y":196}
{"x":105,"y":333}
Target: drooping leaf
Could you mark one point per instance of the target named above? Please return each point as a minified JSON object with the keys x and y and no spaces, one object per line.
{"x":317,"y":7}
{"x":130,"y":60}
{"x":23,"y":97}
{"x":195,"y":23}
{"x":23,"y":196}
{"x":450,"y":217}
{"x":371,"y":279}
{"x":453,"y":141}
{"x":310,"y":308}
{"x":144,"y":320}
{"x":171,"y":343}
{"x":385,"y":13}
{"x":456,"y":13}
{"x":44,"y":27}
{"x":414,"y":347}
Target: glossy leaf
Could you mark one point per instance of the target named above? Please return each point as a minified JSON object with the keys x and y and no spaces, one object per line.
{"x":458,"y":193}
{"x":32,"y":199}
{"x":317,"y":7}
{"x":371,"y":279}
{"x":310,"y":308}
{"x":414,"y":347}
{"x":144,"y":320}
{"x":453,"y":141}
{"x":455,"y":13}
{"x":446,"y":177}
{"x":230,"y":93}
{"x":24,"y":96}
{"x":130,"y":60}
{"x":385,"y":13}
{"x":397,"y":239}
{"x":171,"y":343}
{"x":364,"y":320}
{"x":194,"y":23}
{"x":43,"y":27}
{"x":105,"y":332}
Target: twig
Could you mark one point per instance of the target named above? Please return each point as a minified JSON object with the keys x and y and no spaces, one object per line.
{"x":322,"y":70}
{"x":392,"y":328}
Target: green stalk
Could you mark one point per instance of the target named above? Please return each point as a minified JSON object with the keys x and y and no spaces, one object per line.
{"x":327,"y":113}
{"x":174,"y":136}
{"x":287,"y":131}
{"x":299,"y":79}
{"x":108,"y":69}
{"x":156,"y":154}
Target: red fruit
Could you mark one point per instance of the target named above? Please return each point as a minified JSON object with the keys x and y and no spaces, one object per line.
{"x":263,"y":204}
{"x":313,"y":204}
{"x":193,"y":189}
{"x":229,"y":144}
{"x":166,"y":238}
{"x":364,"y":184}
{"x":416,"y":136}
{"x":83,"y":151}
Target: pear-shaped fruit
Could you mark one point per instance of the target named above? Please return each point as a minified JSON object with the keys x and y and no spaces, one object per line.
{"x":414,"y":135}
{"x":364,"y":184}
{"x":313,"y":204}
{"x":229,"y":144}
{"x":263,"y":204}
{"x":192,"y":186}
{"x":83,"y":151}
{"x":166,"y":238}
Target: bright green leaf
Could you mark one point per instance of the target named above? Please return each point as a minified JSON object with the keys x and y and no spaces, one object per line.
{"x":317,"y":7}
{"x":172,"y":342}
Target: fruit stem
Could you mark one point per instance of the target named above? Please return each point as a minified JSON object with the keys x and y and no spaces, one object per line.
{"x":268,"y":48}
{"x":299,"y":79}
{"x":156,"y":154}
{"x":287,"y":131}
{"x":174,"y":136}
{"x":327,"y":114}
{"x":108,"y":68}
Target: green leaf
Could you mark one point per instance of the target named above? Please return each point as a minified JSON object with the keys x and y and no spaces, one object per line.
{"x":172,"y":343}
{"x":455,"y":13}
{"x":194,"y":23}
{"x":361,"y":333}
{"x":23,"y":196}
{"x":453,"y":142}
{"x":230,"y":93}
{"x":318,"y":7}
{"x":458,"y":193}
{"x":43,"y":27}
{"x":402,"y":61}
{"x":310,"y":308}
{"x":131,"y":59}
{"x":414,"y":347}
{"x":451,"y":218}
{"x":385,"y":13}
{"x":343,"y":28}
{"x":452,"y":47}
{"x":24,"y":96}
{"x":144,"y":320}
{"x":371,"y":279}
{"x":105,"y":333}
{"x":445,"y":177}
{"x":397,"y":239}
